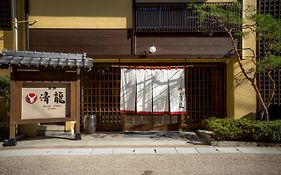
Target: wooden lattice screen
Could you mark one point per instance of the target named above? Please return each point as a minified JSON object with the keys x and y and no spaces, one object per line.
{"x":205,"y":89}
{"x":272,"y":7}
{"x":100,"y":95}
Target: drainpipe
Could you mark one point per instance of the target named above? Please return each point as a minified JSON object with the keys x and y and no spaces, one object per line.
{"x":15,"y":25}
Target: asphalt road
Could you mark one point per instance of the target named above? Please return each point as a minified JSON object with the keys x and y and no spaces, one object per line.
{"x":190,"y":164}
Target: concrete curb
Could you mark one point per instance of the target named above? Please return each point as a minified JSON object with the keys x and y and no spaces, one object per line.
{"x":206,"y":135}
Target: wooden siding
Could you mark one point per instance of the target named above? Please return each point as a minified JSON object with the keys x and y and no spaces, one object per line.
{"x":44,"y":75}
{"x":185,"y":44}
{"x":117,"y":43}
{"x":92,"y":42}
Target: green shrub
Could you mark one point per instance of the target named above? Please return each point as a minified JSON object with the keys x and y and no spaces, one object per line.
{"x":4,"y":86}
{"x":243,"y":129}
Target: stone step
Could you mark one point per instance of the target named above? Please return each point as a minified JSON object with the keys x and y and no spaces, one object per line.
{"x":52,"y":130}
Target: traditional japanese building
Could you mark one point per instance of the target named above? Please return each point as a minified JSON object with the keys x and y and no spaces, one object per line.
{"x":145,"y":43}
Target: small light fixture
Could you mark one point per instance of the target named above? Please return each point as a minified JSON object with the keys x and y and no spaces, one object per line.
{"x":152,"y":49}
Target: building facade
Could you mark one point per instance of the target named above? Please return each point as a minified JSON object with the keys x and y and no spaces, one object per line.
{"x":120,"y":35}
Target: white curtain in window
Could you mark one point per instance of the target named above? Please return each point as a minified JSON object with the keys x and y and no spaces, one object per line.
{"x":177,"y":91}
{"x":128,"y":90}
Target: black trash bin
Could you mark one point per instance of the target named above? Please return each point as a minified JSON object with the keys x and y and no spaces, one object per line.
{"x":90,"y":123}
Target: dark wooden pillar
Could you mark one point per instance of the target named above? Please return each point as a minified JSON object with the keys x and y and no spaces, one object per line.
{"x":77,"y":127}
{"x":12,"y":141}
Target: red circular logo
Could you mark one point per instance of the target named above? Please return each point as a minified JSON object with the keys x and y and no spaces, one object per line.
{"x":31,"y":98}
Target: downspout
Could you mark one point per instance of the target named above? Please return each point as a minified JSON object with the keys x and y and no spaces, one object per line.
{"x":15,"y":25}
{"x":26,"y":13}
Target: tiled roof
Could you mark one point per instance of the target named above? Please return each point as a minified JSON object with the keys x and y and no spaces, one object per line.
{"x":46,"y":59}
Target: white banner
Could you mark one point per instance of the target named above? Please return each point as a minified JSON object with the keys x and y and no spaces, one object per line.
{"x":144,"y":91}
{"x":128,"y":90}
{"x":177,"y":91}
{"x":43,"y":103}
{"x":160,"y":92}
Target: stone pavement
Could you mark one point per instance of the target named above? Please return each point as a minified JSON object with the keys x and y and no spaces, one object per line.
{"x":132,"y":143}
{"x":114,"y":139}
{"x":15,"y":152}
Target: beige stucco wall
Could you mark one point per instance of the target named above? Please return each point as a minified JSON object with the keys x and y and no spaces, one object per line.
{"x":96,"y":14}
{"x":1,"y":40}
{"x":244,"y":94}
{"x":3,"y":72}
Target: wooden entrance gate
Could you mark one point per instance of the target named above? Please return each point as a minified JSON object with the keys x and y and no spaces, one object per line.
{"x":205,"y":90}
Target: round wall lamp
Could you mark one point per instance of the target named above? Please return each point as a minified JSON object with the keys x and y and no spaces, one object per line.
{"x":152,"y":49}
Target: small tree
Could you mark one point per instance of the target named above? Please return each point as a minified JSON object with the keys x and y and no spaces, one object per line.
{"x":267,"y":29}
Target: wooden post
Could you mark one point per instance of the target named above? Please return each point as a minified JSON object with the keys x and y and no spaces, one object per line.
{"x":77,"y":128}
{"x":12,"y":141}
{"x":181,"y":122}
{"x":123,"y":122}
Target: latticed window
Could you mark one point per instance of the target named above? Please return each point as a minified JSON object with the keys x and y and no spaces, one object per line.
{"x":5,"y":15}
{"x":172,"y":17}
{"x":272,"y":7}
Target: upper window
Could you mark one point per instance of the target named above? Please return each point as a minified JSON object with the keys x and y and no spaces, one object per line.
{"x":170,"y":17}
{"x":5,"y":15}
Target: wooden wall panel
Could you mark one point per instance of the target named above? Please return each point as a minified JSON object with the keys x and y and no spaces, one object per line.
{"x":112,"y":43}
{"x":185,"y":45}
{"x":92,"y":42}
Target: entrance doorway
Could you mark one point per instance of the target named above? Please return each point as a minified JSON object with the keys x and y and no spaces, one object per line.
{"x":205,"y":97}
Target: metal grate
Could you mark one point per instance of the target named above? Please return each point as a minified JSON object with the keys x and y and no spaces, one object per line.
{"x":5,"y":15}
{"x":272,"y":7}
{"x":172,"y":17}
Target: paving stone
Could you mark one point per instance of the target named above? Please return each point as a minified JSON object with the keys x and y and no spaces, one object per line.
{"x":12,"y":153}
{"x":269,"y":150}
{"x":102,"y":151}
{"x":123,"y":151}
{"x":80,"y":151}
{"x":227,"y":150}
{"x":166,"y":151}
{"x":144,"y":151}
{"x":252,"y":150}
{"x":58,"y":151}
{"x":187,"y":150}
{"x":206,"y":150}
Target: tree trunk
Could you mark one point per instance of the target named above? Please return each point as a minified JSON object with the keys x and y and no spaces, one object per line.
{"x":264,"y":110}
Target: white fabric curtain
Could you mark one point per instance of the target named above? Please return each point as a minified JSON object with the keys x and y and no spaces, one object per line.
{"x":157,"y":91}
{"x":128,"y":90}
{"x":160,"y":91}
{"x":177,"y":91}
{"x":144,"y":91}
